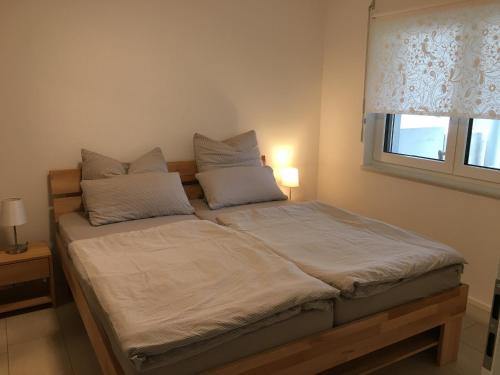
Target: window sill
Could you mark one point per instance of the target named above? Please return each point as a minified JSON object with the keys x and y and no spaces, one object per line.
{"x":467,"y":185}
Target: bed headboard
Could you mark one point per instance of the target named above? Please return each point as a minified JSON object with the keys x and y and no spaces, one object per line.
{"x":65,"y":193}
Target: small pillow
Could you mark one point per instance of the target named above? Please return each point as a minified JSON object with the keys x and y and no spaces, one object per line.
{"x":135,"y":196}
{"x":153,"y":161}
{"x":239,"y":185}
{"x":239,"y":151}
{"x":96,"y":166}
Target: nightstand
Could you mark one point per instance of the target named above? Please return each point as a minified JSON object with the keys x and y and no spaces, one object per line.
{"x":26,"y":279}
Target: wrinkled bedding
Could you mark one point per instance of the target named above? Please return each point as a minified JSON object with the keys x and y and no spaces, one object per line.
{"x":76,"y":226}
{"x":359,"y":256}
{"x":183,"y":288}
{"x":204,"y":212}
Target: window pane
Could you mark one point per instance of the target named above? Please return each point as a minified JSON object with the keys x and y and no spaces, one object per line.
{"x":484,"y":144}
{"x":416,"y":135}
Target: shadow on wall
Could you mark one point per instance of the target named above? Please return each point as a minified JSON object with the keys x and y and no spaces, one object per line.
{"x":5,"y":236}
{"x":210,"y":112}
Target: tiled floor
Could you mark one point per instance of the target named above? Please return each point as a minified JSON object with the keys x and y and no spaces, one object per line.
{"x":46,"y":342}
{"x":53,"y":342}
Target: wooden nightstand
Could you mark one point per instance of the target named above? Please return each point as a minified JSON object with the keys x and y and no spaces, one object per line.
{"x":26,"y":279}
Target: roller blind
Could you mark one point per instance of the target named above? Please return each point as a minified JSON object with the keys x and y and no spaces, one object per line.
{"x":437,"y":61}
{"x":384,"y":8}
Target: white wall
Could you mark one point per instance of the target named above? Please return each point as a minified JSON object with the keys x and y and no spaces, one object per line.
{"x":120,"y":77}
{"x":467,"y":222}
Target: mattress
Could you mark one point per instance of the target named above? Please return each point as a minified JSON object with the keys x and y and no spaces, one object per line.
{"x":350,"y":309}
{"x":75,"y":226}
{"x":205,"y":213}
{"x":303,"y":324}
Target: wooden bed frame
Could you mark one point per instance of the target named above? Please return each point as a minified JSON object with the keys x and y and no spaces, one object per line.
{"x":360,"y":347}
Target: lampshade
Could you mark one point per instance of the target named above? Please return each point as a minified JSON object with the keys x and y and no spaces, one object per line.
{"x":13,"y":212}
{"x":290,"y":177}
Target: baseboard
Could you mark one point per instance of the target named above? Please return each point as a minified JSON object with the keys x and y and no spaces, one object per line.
{"x":478,"y":310}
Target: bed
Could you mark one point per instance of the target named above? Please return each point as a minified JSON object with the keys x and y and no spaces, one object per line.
{"x":315,"y":346}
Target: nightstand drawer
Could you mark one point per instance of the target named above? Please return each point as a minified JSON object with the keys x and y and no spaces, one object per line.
{"x":24,"y":271}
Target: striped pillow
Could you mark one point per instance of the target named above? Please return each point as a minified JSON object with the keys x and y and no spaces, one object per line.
{"x":239,"y":185}
{"x":96,"y":166}
{"x":239,"y":151}
{"x":135,"y":196}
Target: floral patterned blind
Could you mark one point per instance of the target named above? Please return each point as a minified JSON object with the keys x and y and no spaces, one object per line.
{"x":443,"y":61}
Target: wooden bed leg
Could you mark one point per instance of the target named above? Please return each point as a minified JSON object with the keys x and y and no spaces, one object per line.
{"x":449,"y":341}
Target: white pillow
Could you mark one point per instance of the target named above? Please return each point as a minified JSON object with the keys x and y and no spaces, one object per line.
{"x":239,"y":185}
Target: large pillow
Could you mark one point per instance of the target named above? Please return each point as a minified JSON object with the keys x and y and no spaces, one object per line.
{"x":239,"y":185}
{"x":135,"y":196}
{"x":96,"y":166}
{"x":239,"y":151}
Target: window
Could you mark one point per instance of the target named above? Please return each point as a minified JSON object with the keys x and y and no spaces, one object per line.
{"x":419,"y":136}
{"x":431,"y":90}
{"x":483,"y":144}
{"x":455,"y":146}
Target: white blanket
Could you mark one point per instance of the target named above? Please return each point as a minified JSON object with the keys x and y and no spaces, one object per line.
{"x":357,"y":255}
{"x":191,"y":284}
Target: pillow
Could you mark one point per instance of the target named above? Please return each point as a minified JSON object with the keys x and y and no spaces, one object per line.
{"x":239,"y":151}
{"x":153,"y":161}
{"x":96,"y":166}
{"x":239,"y":185}
{"x":135,"y":196}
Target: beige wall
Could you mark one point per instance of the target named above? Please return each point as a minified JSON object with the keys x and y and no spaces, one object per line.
{"x":120,"y":77}
{"x":468,"y":222}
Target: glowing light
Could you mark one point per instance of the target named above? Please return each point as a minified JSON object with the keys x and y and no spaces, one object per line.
{"x":290,"y":177}
{"x":282,"y":156}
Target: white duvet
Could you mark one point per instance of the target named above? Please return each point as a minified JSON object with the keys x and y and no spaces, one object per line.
{"x":356,"y":255}
{"x":174,"y":290}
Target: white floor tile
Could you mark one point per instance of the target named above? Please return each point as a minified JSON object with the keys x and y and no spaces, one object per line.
{"x":31,"y":326}
{"x":43,"y":356}
{"x":469,"y":361}
{"x":468,"y":322}
{"x":475,"y":336}
{"x":81,"y":353}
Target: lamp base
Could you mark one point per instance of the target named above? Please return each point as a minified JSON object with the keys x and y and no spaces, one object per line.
{"x":18,"y":248}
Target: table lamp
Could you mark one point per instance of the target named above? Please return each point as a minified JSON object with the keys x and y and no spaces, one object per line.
{"x":14,"y":214}
{"x":290,"y":179}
